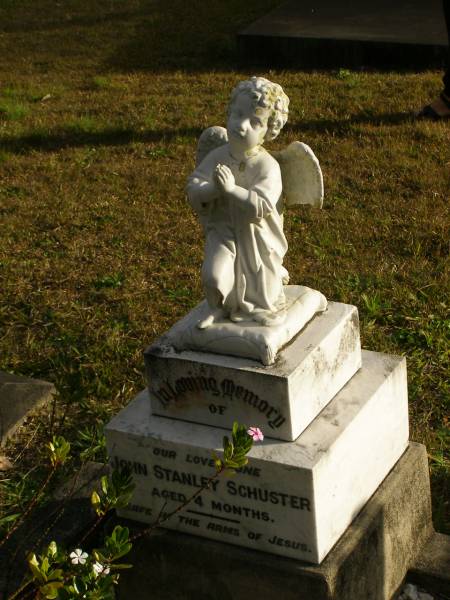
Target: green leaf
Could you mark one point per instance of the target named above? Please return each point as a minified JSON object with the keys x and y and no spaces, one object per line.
{"x":99,"y":557}
{"x":9,"y":518}
{"x":117,"y":533}
{"x":57,"y":574}
{"x":52,"y":549}
{"x":217,"y":461}
{"x":35,"y":568}
{"x":232,"y":464}
{"x":124,"y":550}
{"x":96,"y":502}
{"x":104,"y":483}
{"x":228,"y":451}
{"x":50,"y":590}
{"x":123,"y":500}
{"x":45,"y":565}
{"x":59,"y":449}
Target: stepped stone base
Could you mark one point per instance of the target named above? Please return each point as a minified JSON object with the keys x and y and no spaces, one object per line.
{"x":369,"y":562}
{"x":293,"y":498}
{"x":432,"y":567}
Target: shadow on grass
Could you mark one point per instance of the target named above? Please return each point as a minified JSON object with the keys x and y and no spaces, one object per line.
{"x":149,"y":35}
{"x":344,"y":126}
{"x":440,"y":492}
{"x":67,"y":22}
{"x":65,"y":138}
{"x":193,"y":36}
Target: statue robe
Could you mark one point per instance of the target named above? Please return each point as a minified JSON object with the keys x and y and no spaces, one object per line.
{"x":244,"y":241}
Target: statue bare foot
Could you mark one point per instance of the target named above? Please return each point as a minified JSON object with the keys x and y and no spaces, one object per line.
{"x":214,"y":315}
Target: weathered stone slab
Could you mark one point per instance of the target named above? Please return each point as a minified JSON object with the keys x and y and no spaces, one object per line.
{"x":282,"y":399}
{"x":294,"y":499}
{"x":18,"y":397}
{"x":369,"y":562}
{"x":325,"y":33}
{"x":431,"y":570}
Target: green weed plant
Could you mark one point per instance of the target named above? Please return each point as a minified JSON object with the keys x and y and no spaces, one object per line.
{"x":58,"y":573}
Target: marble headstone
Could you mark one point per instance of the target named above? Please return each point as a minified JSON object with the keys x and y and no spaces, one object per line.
{"x":294,"y":499}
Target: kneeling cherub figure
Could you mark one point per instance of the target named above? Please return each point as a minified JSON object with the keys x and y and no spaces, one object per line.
{"x":236,"y":190}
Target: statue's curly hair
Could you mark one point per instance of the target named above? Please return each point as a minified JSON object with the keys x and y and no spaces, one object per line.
{"x":269,"y":95}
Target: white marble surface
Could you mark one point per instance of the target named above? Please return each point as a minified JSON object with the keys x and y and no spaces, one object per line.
{"x":238,"y":190}
{"x":248,"y":339}
{"x":295,"y":498}
{"x":282,"y":399}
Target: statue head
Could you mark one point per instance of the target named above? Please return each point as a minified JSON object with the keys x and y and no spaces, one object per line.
{"x":265,"y":95}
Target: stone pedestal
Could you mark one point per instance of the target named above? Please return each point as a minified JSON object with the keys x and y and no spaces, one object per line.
{"x":369,"y":562}
{"x":282,"y":399}
{"x":335,"y":421}
{"x":292,"y":499}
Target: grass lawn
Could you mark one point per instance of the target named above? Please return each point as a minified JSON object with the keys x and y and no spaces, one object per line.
{"x":101,"y":105}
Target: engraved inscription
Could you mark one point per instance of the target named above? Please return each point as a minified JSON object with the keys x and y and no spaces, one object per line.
{"x":191,"y":479}
{"x":288,"y":544}
{"x":140,"y":509}
{"x":223,"y":528}
{"x":164,"y":453}
{"x":168,"y":495}
{"x":135,"y":467}
{"x":234,"y":509}
{"x":269,"y":496}
{"x":188,"y":521}
{"x":170,"y":393}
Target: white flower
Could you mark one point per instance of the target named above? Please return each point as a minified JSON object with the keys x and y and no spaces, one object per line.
{"x":100,"y":569}
{"x":78,"y":557}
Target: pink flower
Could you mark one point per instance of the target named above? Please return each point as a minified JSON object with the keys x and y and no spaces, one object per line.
{"x":256,"y":434}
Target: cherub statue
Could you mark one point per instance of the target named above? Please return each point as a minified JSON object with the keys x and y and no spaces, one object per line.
{"x":238,"y":190}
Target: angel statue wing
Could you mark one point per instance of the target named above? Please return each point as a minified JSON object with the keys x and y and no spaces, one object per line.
{"x":211,"y":138}
{"x":301,"y":175}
